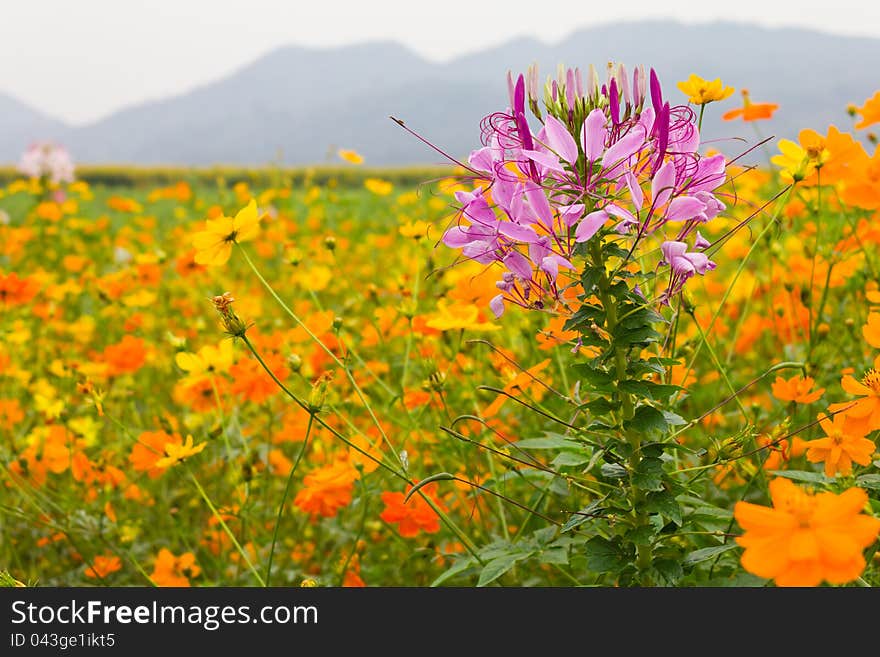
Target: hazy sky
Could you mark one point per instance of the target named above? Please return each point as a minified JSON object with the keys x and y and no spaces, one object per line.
{"x":81,"y":59}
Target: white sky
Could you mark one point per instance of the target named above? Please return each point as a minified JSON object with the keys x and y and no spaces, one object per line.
{"x":79,"y":60}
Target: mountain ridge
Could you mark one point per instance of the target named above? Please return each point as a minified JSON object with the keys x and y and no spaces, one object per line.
{"x":298,"y":104}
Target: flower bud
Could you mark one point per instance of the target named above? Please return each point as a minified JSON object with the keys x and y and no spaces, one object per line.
{"x":330,"y":243}
{"x":295,"y":362}
{"x":319,"y":393}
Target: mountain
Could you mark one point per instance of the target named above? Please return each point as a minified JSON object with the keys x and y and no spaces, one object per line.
{"x":298,"y":105}
{"x":21,"y":125}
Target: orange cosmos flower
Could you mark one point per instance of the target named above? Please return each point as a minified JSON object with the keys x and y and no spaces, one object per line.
{"x":804,"y":538}
{"x":103,"y":566}
{"x":870,"y":112}
{"x":10,"y":412}
{"x":864,"y":411}
{"x":871,"y":330}
{"x":751,"y":111}
{"x":172,"y":571}
{"x":411,"y":516}
{"x":15,"y":291}
{"x":149,"y":448}
{"x":843,"y":444}
{"x":796,"y":389}
{"x":127,"y":355}
{"x":327,"y":489}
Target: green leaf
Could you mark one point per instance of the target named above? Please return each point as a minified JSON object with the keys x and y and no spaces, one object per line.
{"x":803,"y":475}
{"x":604,"y":556}
{"x":665,"y":504}
{"x":554,"y":555}
{"x":638,"y":335}
{"x":497,"y":567}
{"x":462,"y":566}
{"x":673,"y":419}
{"x":648,"y":389}
{"x":570,"y":459}
{"x":642,"y":535}
{"x":647,"y":420}
{"x":649,"y":474}
{"x":669,"y":570}
{"x":644,"y":316}
{"x":869,"y":481}
{"x":601,"y":406}
{"x":613,"y":471}
{"x":549,"y":441}
{"x":704,"y":554}
{"x":596,"y":379}
{"x":582,"y":516}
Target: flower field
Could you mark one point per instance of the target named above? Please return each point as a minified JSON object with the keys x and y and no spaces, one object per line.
{"x":596,"y":352}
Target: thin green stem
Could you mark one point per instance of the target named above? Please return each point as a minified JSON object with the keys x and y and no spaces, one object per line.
{"x":284,"y":496}
{"x":225,"y":527}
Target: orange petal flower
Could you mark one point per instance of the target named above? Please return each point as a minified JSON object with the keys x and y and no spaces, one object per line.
{"x":796,"y":389}
{"x":805,"y":539}
{"x":870,"y":112}
{"x":412,"y":516}
{"x":844,"y":443}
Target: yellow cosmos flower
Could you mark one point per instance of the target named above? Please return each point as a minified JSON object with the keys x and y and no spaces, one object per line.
{"x":453,"y":317}
{"x":177,"y":453}
{"x":352,"y":157}
{"x":794,"y":163}
{"x":208,"y":360}
{"x":214,"y":244}
{"x":379,"y":187}
{"x":800,"y":161}
{"x":414,"y":229}
{"x":703,"y":92}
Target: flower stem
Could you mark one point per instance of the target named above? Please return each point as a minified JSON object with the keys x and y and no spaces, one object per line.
{"x":284,"y":496}
{"x":226,"y":529}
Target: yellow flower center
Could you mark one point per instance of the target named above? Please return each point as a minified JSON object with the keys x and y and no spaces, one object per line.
{"x":836,"y":437}
{"x":814,"y":151}
{"x":801,"y":507}
{"x":872,"y":380}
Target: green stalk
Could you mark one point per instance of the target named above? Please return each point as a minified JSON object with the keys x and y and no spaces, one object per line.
{"x":226,"y":529}
{"x":644,"y":552}
{"x":284,"y":496}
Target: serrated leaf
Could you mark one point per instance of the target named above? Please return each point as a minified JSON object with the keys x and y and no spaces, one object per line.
{"x":665,"y":504}
{"x":649,"y":474}
{"x":582,"y":516}
{"x":497,"y":567}
{"x":638,"y":335}
{"x":647,"y":420}
{"x":669,"y":570}
{"x":604,"y":556}
{"x":704,"y":554}
{"x":459,"y":568}
{"x":594,"y":379}
{"x":673,"y":419}
{"x":648,"y":389}
{"x":601,"y":406}
{"x":642,"y":535}
{"x":612,"y":471}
